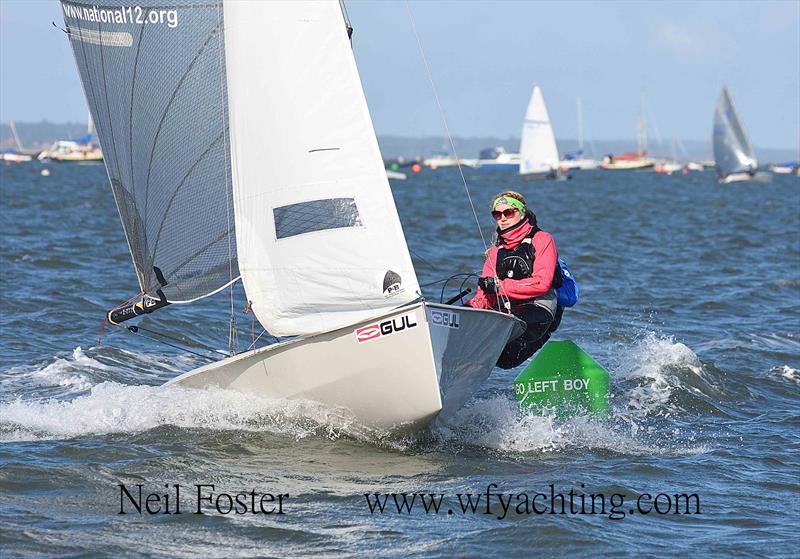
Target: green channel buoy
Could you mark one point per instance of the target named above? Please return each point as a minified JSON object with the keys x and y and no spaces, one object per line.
{"x":564,"y":377}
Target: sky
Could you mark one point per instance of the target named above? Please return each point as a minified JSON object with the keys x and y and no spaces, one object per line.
{"x":485,"y":56}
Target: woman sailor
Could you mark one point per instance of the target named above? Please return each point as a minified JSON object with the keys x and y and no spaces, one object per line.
{"x":520,"y":276}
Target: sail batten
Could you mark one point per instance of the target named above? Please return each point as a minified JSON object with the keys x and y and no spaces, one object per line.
{"x":154,"y":78}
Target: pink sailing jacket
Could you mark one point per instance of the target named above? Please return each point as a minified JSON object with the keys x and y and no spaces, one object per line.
{"x":526,"y":289}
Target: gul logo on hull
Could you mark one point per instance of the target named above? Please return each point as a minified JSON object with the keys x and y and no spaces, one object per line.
{"x":446,"y":319}
{"x":386,"y":328}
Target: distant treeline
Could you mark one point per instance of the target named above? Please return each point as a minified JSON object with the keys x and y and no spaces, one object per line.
{"x":38,"y":135}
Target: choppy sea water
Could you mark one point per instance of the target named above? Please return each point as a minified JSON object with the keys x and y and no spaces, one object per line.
{"x":690,"y":296}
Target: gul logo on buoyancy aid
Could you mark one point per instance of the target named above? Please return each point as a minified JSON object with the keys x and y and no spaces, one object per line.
{"x":517,"y":263}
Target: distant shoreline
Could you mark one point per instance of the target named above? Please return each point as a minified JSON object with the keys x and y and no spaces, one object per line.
{"x":36,"y":136}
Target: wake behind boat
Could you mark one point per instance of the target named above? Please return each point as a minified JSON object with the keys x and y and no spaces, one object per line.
{"x":283,"y":187}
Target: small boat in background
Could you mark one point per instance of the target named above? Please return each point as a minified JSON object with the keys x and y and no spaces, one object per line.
{"x":671,"y":165}
{"x":574,"y":160}
{"x":788,"y":168}
{"x":80,"y":150}
{"x":538,"y":152}
{"x":396,"y":175}
{"x":440,"y":159}
{"x":15,"y":155}
{"x":628,"y":161}
{"x":73,"y":151}
{"x":496,"y":158}
{"x":733,"y":153}
{"x":632,"y":160}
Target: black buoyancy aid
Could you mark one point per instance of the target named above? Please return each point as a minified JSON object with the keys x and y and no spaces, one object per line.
{"x":517,"y":263}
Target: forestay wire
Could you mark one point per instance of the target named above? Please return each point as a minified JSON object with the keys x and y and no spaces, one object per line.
{"x":444,"y":120}
{"x":233,"y":341}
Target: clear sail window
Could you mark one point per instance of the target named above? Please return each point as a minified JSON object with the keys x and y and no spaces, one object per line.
{"x":316,"y":215}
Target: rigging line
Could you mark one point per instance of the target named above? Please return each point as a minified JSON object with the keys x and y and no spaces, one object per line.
{"x":446,"y":279}
{"x":347,"y":24}
{"x":431,"y":266}
{"x":136,"y":330}
{"x":444,"y":120}
{"x":467,"y":276}
{"x":232,"y":338}
{"x":263,"y":331}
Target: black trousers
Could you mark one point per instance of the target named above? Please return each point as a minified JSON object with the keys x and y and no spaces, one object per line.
{"x":540,"y":326}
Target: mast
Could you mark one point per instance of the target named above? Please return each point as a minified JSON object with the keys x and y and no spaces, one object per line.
{"x":641,"y":129}
{"x":15,"y":135}
{"x":580,"y":125}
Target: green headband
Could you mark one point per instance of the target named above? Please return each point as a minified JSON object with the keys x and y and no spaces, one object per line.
{"x":509,"y":201}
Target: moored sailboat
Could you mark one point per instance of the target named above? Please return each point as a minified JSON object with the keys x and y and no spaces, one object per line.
{"x":14,"y":155}
{"x":236,"y":158}
{"x":577,"y":159}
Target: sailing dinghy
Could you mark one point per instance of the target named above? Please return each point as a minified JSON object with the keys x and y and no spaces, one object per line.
{"x":537,"y":149}
{"x":734,"y":156}
{"x":239,"y":147}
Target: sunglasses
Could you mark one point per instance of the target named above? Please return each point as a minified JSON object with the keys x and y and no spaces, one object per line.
{"x":509,"y":213}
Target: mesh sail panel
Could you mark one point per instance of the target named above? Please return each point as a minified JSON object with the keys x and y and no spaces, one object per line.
{"x":154,"y":78}
{"x":316,"y":215}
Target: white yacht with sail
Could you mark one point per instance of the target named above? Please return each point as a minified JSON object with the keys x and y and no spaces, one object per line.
{"x":14,"y":155}
{"x":537,"y":149}
{"x":733,"y":153}
{"x":80,"y":150}
{"x":243,"y":150}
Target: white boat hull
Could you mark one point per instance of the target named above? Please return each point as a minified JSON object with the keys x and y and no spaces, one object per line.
{"x":579,"y":164}
{"x":627,"y":165}
{"x":397,"y":371}
{"x":744,"y":177}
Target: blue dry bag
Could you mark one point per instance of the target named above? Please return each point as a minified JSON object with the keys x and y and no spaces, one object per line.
{"x":570,"y":290}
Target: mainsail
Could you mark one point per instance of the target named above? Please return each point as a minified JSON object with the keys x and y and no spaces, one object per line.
{"x":257,"y":126}
{"x":320,"y":242}
{"x":157,"y":95}
{"x":733,"y":152}
{"x":537,"y":151}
